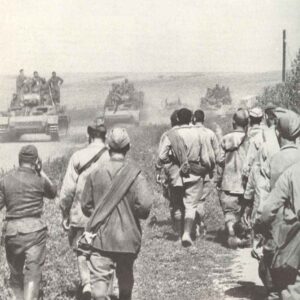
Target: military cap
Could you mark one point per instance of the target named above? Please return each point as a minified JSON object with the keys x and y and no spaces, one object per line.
{"x":256,"y":112}
{"x":28,"y":154}
{"x":241,"y":118}
{"x":97,"y":127}
{"x":270,"y":106}
{"x":289,"y":125}
{"x":118,"y":138}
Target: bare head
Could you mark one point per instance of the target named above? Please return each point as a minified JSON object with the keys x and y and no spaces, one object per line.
{"x":198,"y":116}
{"x":53,"y":74}
{"x":184,"y":116}
{"x":240,"y":120}
{"x":174,"y":118}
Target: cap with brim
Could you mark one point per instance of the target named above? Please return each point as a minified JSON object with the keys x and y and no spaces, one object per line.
{"x":256,"y":112}
{"x":270,"y":106}
{"x":118,"y":138}
{"x":97,"y":127}
{"x":28,"y":154}
{"x":289,"y":124}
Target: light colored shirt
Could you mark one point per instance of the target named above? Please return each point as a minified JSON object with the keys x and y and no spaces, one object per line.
{"x":193,"y":147}
{"x":284,"y":196}
{"x":232,"y":157}
{"x":73,"y":184}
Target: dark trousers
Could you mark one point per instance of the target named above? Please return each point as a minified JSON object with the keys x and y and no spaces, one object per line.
{"x":26,"y":255}
{"x":102,"y":266}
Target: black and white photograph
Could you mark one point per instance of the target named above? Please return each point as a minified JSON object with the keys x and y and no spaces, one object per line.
{"x":150,"y":150}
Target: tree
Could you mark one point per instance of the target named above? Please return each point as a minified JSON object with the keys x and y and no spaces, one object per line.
{"x":285,"y":94}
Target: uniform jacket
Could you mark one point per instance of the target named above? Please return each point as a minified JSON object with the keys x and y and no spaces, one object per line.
{"x":211,"y":144}
{"x":255,"y":140}
{"x":122,"y":231}
{"x":73,"y":184}
{"x":283,"y":201}
{"x":22,"y":192}
{"x":232,"y":157}
{"x":194,"y":148}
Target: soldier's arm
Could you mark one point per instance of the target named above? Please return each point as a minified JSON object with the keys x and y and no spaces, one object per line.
{"x":216,"y":147}
{"x":280,"y":195}
{"x":60,"y":80}
{"x":164,"y":149}
{"x":222,"y":155}
{"x":87,"y":201}
{"x":50,"y":189}
{"x":68,"y":188}
{"x":143,"y":197}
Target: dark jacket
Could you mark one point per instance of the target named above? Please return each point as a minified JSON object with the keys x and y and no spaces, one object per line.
{"x":121,"y":232}
{"x":22,"y":192}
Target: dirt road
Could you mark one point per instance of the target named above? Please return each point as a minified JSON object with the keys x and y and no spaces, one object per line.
{"x":47,"y":148}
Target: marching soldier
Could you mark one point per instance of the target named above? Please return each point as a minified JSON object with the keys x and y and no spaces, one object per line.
{"x":232,"y":156}
{"x":116,"y":196}
{"x":80,"y":165}
{"x":190,"y":167}
{"x":22,"y":192}
{"x":212,"y":147}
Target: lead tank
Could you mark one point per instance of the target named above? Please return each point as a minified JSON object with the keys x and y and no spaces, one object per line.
{"x":33,"y":114}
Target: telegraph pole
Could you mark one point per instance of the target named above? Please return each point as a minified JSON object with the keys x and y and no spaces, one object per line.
{"x":283,"y":54}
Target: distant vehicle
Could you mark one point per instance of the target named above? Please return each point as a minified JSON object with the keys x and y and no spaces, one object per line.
{"x":123,"y":105}
{"x":31,"y":114}
{"x":172,"y":105}
{"x":216,"y":97}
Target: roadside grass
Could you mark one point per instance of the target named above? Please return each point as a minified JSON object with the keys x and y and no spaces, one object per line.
{"x":164,"y":270}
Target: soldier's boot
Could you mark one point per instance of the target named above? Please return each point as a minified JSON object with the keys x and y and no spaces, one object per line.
{"x":84,"y":274}
{"x":31,"y":290}
{"x":186,"y":239}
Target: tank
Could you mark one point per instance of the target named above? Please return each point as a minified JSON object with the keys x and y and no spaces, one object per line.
{"x":172,"y":104}
{"x":122,"y":105}
{"x":33,"y":113}
{"x":216,"y":97}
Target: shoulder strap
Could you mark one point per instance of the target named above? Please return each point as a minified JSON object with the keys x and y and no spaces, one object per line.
{"x":91,"y":161}
{"x":120,"y":184}
{"x":178,"y":146}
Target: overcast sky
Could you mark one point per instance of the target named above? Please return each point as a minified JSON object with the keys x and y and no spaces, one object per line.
{"x":147,"y":35}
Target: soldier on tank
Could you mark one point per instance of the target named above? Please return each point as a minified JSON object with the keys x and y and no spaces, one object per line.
{"x":55,"y":83}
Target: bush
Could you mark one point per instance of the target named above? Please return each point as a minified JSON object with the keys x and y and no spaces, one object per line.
{"x":285,"y":94}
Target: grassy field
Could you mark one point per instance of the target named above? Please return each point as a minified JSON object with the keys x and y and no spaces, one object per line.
{"x":164,"y":270}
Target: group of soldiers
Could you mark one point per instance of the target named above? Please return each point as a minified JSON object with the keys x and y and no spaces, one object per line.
{"x":102,"y":199}
{"x":38,"y":85}
{"x":255,"y":170}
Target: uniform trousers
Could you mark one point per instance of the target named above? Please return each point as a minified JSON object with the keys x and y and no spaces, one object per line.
{"x":102,"y":266}
{"x":26,"y":255}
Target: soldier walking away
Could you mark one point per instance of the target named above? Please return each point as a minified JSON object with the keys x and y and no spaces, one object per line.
{"x":55,"y":83}
{"x":212,"y":147}
{"x":190,"y":167}
{"x":115,"y":197}
{"x":167,"y":177}
{"x":20,"y":82}
{"x":281,"y":214}
{"x":80,"y":165}
{"x":232,"y":156}
{"x":22,"y":192}
{"x":288,"y":128}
